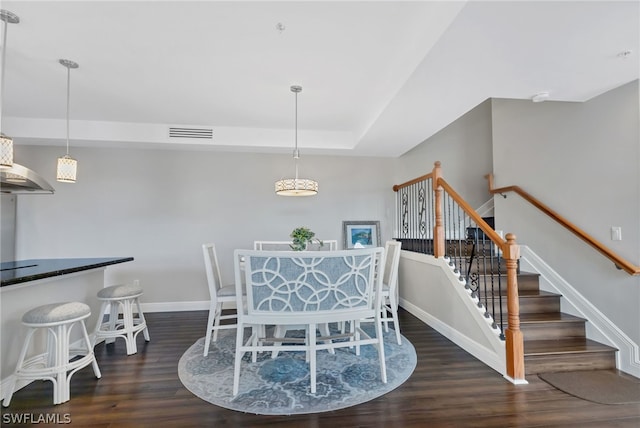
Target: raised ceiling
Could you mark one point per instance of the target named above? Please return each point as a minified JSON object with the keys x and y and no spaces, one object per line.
{"x":378,"y":77}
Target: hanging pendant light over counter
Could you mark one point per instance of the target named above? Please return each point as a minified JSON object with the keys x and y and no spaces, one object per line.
{"x":6,"y":143}
{"x":67,"y":166}
{"x":296,"y":186}
{"x":14,"y":178}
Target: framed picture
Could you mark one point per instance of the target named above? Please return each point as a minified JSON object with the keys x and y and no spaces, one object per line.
{"x":361,"y":234}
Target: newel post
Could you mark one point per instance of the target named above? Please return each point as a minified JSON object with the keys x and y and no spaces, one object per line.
{"x":513,"y":335}
{"x":438,"y":229}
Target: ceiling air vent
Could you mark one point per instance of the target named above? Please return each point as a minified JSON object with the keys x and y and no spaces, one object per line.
{"x":191,"y":133}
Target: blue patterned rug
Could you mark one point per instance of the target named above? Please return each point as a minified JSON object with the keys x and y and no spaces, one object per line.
{"x":280,"y":386}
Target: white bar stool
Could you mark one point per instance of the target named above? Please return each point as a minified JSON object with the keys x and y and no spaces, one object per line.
{"x":59,"y":362}
{"x":128,"y":327}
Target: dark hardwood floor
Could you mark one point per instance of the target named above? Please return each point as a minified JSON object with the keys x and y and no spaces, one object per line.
{"x":449,"y":388}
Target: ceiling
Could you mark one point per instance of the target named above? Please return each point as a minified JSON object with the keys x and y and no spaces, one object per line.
{"x":378,"y":77}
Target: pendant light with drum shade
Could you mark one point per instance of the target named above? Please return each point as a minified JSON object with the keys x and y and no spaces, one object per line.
{"x":296,"y":186}
{"x":67,"y":166}
{"x":6,"y":143}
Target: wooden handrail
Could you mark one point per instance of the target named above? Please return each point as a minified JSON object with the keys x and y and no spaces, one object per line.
{"x":619,"y":262}
{"x":397,"y":187}
{"x":479,"y":221}
{"x":514,"y":344}
{"x":514,"y":340}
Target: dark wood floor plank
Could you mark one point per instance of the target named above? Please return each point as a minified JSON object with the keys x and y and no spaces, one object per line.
{"x":449,"y":388}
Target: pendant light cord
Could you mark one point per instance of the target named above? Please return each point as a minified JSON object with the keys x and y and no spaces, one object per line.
{"x":4,"y":55}
{"x":296,"y":153}
{"x":68,"y":92}
{"x":296,"y":186}
{"x":8,"y":18}
{"x":68,"y":64}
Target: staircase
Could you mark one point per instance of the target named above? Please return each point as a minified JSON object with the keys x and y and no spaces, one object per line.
{"x":553,"y":341}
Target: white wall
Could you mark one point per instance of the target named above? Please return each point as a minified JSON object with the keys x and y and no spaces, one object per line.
{"x":159,"y":206}
{"x":427,"y":288}
{"x":583,"y":161}
{"x":463,"y":148}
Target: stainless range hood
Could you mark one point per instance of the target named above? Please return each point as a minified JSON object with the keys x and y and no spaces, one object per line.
{"x":20,"y":179}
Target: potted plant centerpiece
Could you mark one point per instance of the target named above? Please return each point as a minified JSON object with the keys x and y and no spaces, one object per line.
{"x":302,"y":236}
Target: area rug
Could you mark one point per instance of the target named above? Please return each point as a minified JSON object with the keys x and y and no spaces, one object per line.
{"x":281,"y":385}
{"x":598,"y":386}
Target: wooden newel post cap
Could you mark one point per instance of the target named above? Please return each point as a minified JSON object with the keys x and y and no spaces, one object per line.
{"x":512,"y":248}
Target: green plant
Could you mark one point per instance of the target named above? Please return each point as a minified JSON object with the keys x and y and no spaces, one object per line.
{"x":301,"y":237}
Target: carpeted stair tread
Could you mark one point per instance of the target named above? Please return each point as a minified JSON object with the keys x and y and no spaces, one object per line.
{"x":564,"y":346}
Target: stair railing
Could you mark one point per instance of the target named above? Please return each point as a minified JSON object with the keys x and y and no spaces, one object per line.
{"x":433,"y":219}
{"x":617,"y":260}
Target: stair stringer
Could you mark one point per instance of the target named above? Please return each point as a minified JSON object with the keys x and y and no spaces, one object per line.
{"x":427,"y":285}
{"x":599,"y":327}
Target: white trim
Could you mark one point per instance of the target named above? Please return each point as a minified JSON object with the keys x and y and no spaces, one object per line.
{"x":486,"y":209}
{"x":202,"y":305}
{"x":516,"y":381}
{"x":599,"y":327}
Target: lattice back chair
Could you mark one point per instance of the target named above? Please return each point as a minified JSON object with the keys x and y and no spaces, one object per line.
{"x":309,"y":288}
{"x":219,"y":295}
{"x":390,"y":295}
{"x":327,"y":245}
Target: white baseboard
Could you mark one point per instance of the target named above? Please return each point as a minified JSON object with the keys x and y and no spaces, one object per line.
{"x":202,"y":305}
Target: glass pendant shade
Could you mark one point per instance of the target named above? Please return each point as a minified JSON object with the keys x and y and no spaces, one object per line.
{"x":6,"y":153}
{"x":67,"y":169}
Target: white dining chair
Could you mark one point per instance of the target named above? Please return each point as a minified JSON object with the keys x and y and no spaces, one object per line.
{"x":327,"y":245}
{"x":390,"y":293}
{"x":219,"y":295}
{"x":330,"y":287}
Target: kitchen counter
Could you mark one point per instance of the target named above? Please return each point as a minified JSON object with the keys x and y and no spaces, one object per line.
{"x":30,"y":283}
{"x":30,"y":270}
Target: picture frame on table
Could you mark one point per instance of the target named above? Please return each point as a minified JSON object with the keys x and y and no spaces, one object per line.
{"x":360,"y":234}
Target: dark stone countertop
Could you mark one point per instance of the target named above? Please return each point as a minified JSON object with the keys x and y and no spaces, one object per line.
{"x":31,"y":270}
